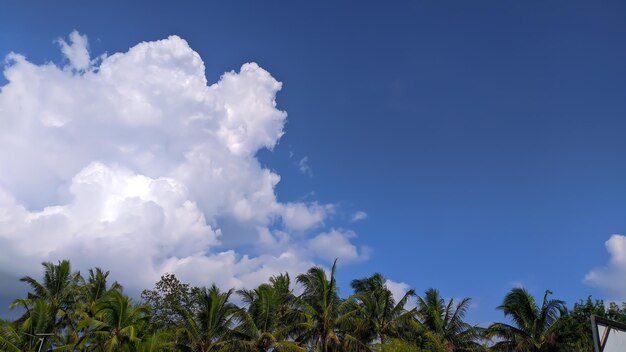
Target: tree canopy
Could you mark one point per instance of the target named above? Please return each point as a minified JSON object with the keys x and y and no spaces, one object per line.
{"x":65,"y":311}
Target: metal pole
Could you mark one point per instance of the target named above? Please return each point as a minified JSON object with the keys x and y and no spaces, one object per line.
{"x":41,"y":343}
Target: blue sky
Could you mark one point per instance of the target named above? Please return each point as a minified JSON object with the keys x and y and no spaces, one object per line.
{"x":484,"y":139}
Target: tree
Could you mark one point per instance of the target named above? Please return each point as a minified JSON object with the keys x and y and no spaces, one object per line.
{"x":166,"y":301}
{"x":323,"y":313}
{"x":262,"y":326}
{"x":534,"y":329}
{"x":157,"y":342}
{"x":380,"y":317}
{"x":97,"y":286}
{"x":25,"y":334}
{"x":443,"y":325}
{"x":203,"y":329}
{"x":11,"y":340}
{"x":50,"y":306}
{"x":59,"y":289}
{"x":574,"y":333}
{"x":118,"y":322}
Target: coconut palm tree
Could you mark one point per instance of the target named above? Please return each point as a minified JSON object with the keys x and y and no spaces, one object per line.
{"x":157,"y":342}
{"x":323,"y":313}
{"x":59,"y":285}
{"x":11,"y":339}
{"x":380,"y":317}
{"x":30,"y":332}
{"x":96,"y":287}
{"x":262,"y":326}
{"x":443,"y":327}
{"x":117,"y":323}
{"x":205,"y":327}
{"x":92,"y":293}
{"x":59,"y":289}
{"x":534,"y":327}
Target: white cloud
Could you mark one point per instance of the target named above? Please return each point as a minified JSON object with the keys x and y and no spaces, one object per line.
{"x":77,"y":52}
{"x":398,"y":290}
{"x":612,"y":278}
{"x":358,"y":216}
{"x":336,"y":244}
{"x":301,"y":217}
{"x":115,"y":218}
{"x":303,"y":166}
{"x":139,"y":166}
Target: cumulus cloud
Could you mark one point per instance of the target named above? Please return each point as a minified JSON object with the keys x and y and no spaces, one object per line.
{"x":77,"y":51}
{"x":139,"y":165}
{"x":612,"y":277}
{"x":336,"y":244}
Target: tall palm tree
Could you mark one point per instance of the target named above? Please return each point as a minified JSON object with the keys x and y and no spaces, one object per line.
{"x":118,"y":322}
{"x":323,"y":313}
{"x":92,"y":293}
{"x":97,"y":287}
{"x":26,"y":334}
{"x":380,"y":317}
{"x":205,"y":327}
{"x":534,"y":327}
{"x":59,"y":285}
{"x":50,"y":306}
{"x":263,"y":326}
{"x":281,"y":284}
{"x":443,"y":325}
{"x":59,"y":289}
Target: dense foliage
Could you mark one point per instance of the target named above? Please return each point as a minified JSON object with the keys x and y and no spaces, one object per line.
{"x":68,"y":312}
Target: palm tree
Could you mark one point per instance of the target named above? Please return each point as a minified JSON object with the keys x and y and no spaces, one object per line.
{"x":97,"y":286}
{"x":92,"y":294}
{"x":11,"y":339}
{"x":534,"y":328}
{"x":118,"y":322}
{"x":159,"y":341}
{"x":380,"y":317}
{"x":443,"y":325}
{"x":323,"y":313}
{"x":281,"y":284}
{"x":262,"y":325}
{"x":205,"y":327}
{"x":26,"y":334}
{"x":59,"y":284}
{"x":59,"y":289}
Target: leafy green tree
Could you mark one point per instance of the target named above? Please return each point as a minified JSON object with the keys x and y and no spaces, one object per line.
{"x":204,"y":328}
{"x":443,"y":326}
{"x":166,"y":301}
{"x":534,"y":328}
{"x":574,"y":334}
